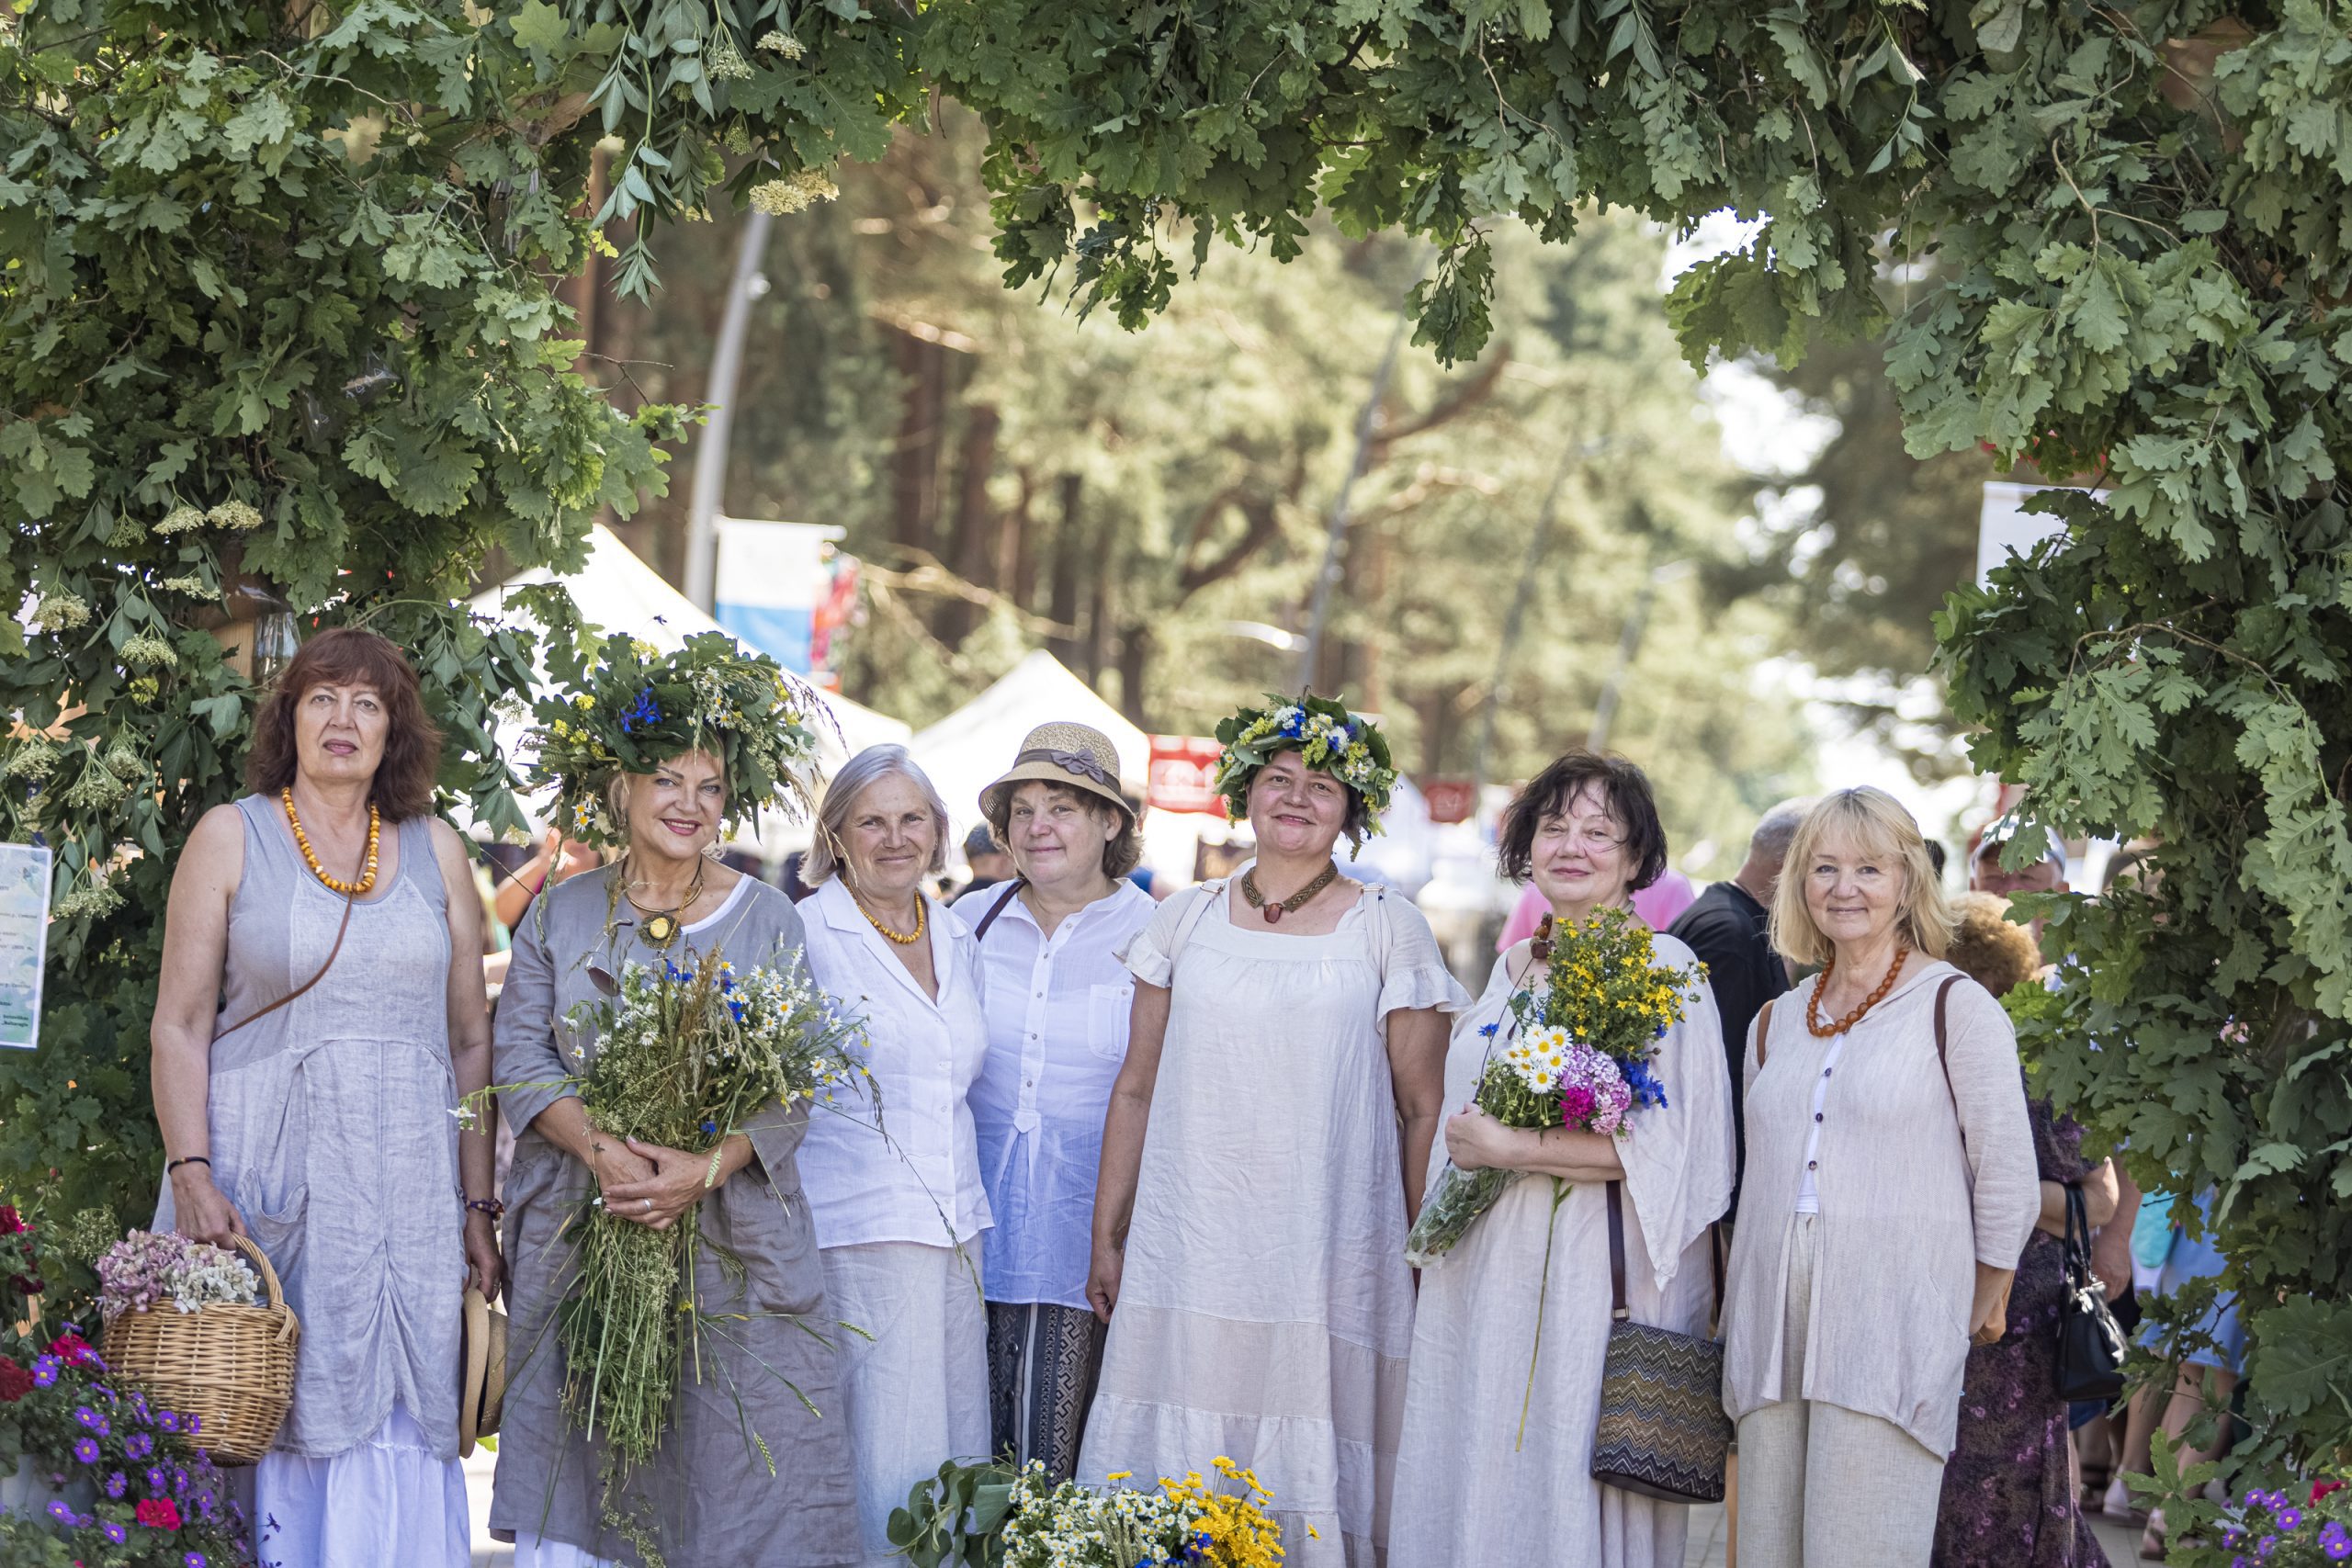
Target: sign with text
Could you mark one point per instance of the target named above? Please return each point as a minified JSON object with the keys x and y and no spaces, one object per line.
{"x":1183,"y":775}
{"x":24,"y":938}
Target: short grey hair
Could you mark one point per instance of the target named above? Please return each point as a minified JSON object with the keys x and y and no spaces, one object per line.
{"x":858,"y":775}
{"x":1777,"y":830}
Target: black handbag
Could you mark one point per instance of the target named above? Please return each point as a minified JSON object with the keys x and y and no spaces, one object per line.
{"x":2090,"y":1342}
{"x":1662,"y":1432}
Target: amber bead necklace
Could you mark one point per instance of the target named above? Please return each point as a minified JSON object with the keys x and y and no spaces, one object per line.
{"x":1821,"y":983}
{"x":302,"y":840}
{"x":904,"y":939}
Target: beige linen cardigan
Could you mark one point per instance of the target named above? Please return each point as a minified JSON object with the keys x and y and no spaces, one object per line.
{"x":1909,"y":1209}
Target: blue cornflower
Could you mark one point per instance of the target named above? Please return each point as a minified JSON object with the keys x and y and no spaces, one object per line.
{"x":710,"y":1128}
{"x":645,"y":711}
{"x":1488,"y":1030}
{"x":735,"y":1007}
{"x":118,"y":1484}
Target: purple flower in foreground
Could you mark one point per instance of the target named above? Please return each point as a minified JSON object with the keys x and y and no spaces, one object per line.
{"x":114,"y":1533}
{"x":62,"y":1511}
{"x":139,"y":1445}
{"x":45,"y":1370}
{"x":92,"y":1419}
{"x":2289,"y":1518}
{"x":192,"y":1424}
{"x":168,"y":1421}
{"x":86,"y":1449}
{"x":193,"y":1560}
{"x":155,"y":1478}
{"x":118,"y":1484}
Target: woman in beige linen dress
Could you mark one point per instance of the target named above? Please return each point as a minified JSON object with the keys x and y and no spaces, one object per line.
{"x":1887,"y":1197}
{"x":1259,"y":1303}
{"x":1469,"y":1491}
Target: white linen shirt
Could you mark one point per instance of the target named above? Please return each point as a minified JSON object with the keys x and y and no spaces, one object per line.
{"x":916,"y":1177}
{"x":1057,"y":1031}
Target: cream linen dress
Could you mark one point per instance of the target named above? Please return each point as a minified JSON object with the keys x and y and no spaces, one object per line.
{"x":1265,"y":1312}
{"x":1468,"y":1493}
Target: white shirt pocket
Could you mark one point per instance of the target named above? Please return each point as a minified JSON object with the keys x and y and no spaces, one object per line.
{"x":1106,"y":1020}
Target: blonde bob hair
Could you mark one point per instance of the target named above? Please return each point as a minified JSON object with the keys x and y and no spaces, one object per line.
{"x":861,"y":773}
{"x":1875,"y":823}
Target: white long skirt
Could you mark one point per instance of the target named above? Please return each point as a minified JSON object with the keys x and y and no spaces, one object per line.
{"x":918,"y":1390}
{"x":385,"y":1502}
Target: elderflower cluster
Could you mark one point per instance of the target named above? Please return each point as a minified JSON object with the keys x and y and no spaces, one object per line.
{"x":91,"y":900}
{"x":127,"y":764}
{"x":35,"y":758}
{"x":180,"y":519}
{"x":147,"y":649}
{"x":736,"y":139}
{"x":194,"y":587}
{"x":61,"y":612}
{"x":94,"y":790}
{"x":783,"y":43}
{"x":793,"y":193}
{"x":724,"y":63}
{"x":238,"y":516}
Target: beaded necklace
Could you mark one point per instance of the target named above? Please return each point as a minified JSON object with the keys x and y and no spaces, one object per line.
{"x":904,"y":939}
{"x":1276,"y":909}
{"x":1821,"y":981}
{"x":309,"y":857}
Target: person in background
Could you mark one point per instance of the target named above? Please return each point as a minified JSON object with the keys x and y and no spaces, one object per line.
{"x":1936,"y":853}
{"x":1057,"y":997}
{"x":557,"y":859}
{"x":319,"y":1015}
{"x":1471,"y":1489}
{"x":989,"y":862}
{"x":2009,"y":1499}
{"x":1890,"y":1186}
{"x":2210,"y":1369}
{"x":898,"y":1201}
{"x":1987,"y":875}
{"x":1729,"y":929}
{"x":1266,"y":1149}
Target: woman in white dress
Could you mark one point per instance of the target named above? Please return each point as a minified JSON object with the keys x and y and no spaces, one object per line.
{"x":1586,"y":830}
{"x":898,"y":1201}
{"x":1248,"y":1252}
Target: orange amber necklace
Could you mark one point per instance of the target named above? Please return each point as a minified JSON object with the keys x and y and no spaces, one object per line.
{"x":367,"y":867}
{"x":1813,"y":1003}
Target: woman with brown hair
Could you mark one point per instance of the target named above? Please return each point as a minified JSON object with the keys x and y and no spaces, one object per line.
{"x":319,"y":1016}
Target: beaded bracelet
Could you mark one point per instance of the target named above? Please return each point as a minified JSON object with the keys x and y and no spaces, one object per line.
{"x":490,"y":1206}
{"x":187,"y":1159}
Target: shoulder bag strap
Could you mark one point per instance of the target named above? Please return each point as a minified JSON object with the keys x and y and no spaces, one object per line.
{"x":1618,"y":1313}
{"x":1763,"y":1033}
{"x":348,"y":900}
{"x":1943,"y":1050}
{"x":1210,"y":892}
{"x":1012,"y":892}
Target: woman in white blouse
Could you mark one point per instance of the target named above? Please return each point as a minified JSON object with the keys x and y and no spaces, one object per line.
{"x":898,"y":1201}
{"x":1891,"y":1187}
{"x":1057,"y":997}
{"x":1266,"y":1149}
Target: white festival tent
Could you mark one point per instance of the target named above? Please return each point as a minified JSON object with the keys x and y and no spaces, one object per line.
{"x":617,"y":591}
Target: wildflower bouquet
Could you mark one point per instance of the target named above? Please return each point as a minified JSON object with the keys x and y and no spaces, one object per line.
{"x":1579,"y":1057}
{"x":685,"y":1057}
{"x":974,"y":1514}
{"x":146,"y":1270}
{"x":127,"y":1486}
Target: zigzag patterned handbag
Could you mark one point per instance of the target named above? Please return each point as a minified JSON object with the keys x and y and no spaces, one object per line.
{"x":1663,"y":1432}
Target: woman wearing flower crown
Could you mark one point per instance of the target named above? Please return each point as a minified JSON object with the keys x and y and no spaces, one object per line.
{"x":1476,"y":1485}
{"x":1251,"y":1214}
{"x":652,"y":757}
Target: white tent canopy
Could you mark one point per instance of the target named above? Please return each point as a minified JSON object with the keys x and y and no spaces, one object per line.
{"x":973,"y":746}
{"x":619,"y":593}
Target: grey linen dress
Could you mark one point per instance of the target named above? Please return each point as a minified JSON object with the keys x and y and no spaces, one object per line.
{"x":708,"y":1492}
{"x":332,"y":1134}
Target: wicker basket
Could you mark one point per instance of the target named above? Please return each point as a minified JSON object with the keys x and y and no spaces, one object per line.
{"x":231,"y":1367}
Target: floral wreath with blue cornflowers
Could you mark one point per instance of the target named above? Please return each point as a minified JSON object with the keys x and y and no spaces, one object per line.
{"x":626,"y":706}
{"x":1346,"y":745}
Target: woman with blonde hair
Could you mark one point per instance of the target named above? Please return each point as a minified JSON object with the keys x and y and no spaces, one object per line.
{"x":1891,"y":1187}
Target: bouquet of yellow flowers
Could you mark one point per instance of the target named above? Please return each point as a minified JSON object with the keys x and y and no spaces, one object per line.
{"x":992,"y":1516}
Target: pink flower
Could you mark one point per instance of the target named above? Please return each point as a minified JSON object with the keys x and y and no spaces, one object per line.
{"x":2322,"y":1488}
{"x":1576,"y":1105}
{"x":159,"y":1513}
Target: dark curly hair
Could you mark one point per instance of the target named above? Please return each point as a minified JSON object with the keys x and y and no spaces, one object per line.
{"x":346,"y":655}
{"x":1625,"y":789}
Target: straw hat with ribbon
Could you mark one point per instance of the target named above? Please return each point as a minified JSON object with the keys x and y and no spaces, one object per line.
{"x":483,"y":1399}
{"x":1076,"y":755}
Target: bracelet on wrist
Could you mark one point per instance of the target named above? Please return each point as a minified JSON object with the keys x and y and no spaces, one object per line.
{"x":187,"y":1159}
{"x":490,"y":1206}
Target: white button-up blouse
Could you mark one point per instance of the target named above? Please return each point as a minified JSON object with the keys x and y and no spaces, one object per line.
{"x":1057,"y":1031}
{"x":918,"y":1174}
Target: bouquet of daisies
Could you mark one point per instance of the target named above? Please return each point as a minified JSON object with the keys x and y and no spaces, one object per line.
{"x":991,"y":1515}
{"x":1579,"y":1055}
{"x":685,"y":1056}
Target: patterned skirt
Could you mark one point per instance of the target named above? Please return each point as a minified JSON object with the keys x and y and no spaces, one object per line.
{"x":1043,"y":1364}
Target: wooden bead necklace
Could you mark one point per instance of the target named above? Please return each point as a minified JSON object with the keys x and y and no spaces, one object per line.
{"x":302,"y":840}
{"x":904,"y":939}
{"x":1821,"y":981}
{"x":1296,"y":902}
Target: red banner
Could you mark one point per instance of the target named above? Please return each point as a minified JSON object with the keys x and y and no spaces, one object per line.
{"x":1183,"y":775}
{"x":1450,"y":800}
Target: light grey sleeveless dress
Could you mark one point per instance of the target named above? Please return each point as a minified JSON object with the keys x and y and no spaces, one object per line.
{"x":333,"y":1133}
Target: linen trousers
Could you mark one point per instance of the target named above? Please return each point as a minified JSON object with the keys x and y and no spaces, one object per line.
{"x":1821,"y":1486}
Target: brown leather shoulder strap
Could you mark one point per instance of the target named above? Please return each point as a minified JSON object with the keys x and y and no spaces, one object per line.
{"x":1763,"y":1033}
{"x":263,"y":1012}
{"x":1617,"y":1310}
{"x":1943,"y":1052}
{"x":1012,"y":891}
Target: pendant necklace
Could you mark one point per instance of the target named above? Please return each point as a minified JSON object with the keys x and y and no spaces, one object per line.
{"x":661,"y":926}
{"x":1296,"y":902}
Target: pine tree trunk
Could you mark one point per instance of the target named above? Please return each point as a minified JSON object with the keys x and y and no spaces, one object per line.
{"x":972,"y":548}
{"x":1068,"y":566}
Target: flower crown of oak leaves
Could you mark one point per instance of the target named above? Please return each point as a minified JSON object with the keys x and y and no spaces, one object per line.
{"x":1346,"y":745}
{"x":635,"y":707}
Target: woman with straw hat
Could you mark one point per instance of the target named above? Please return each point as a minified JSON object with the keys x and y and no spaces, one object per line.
{"x":1057,"y":995}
